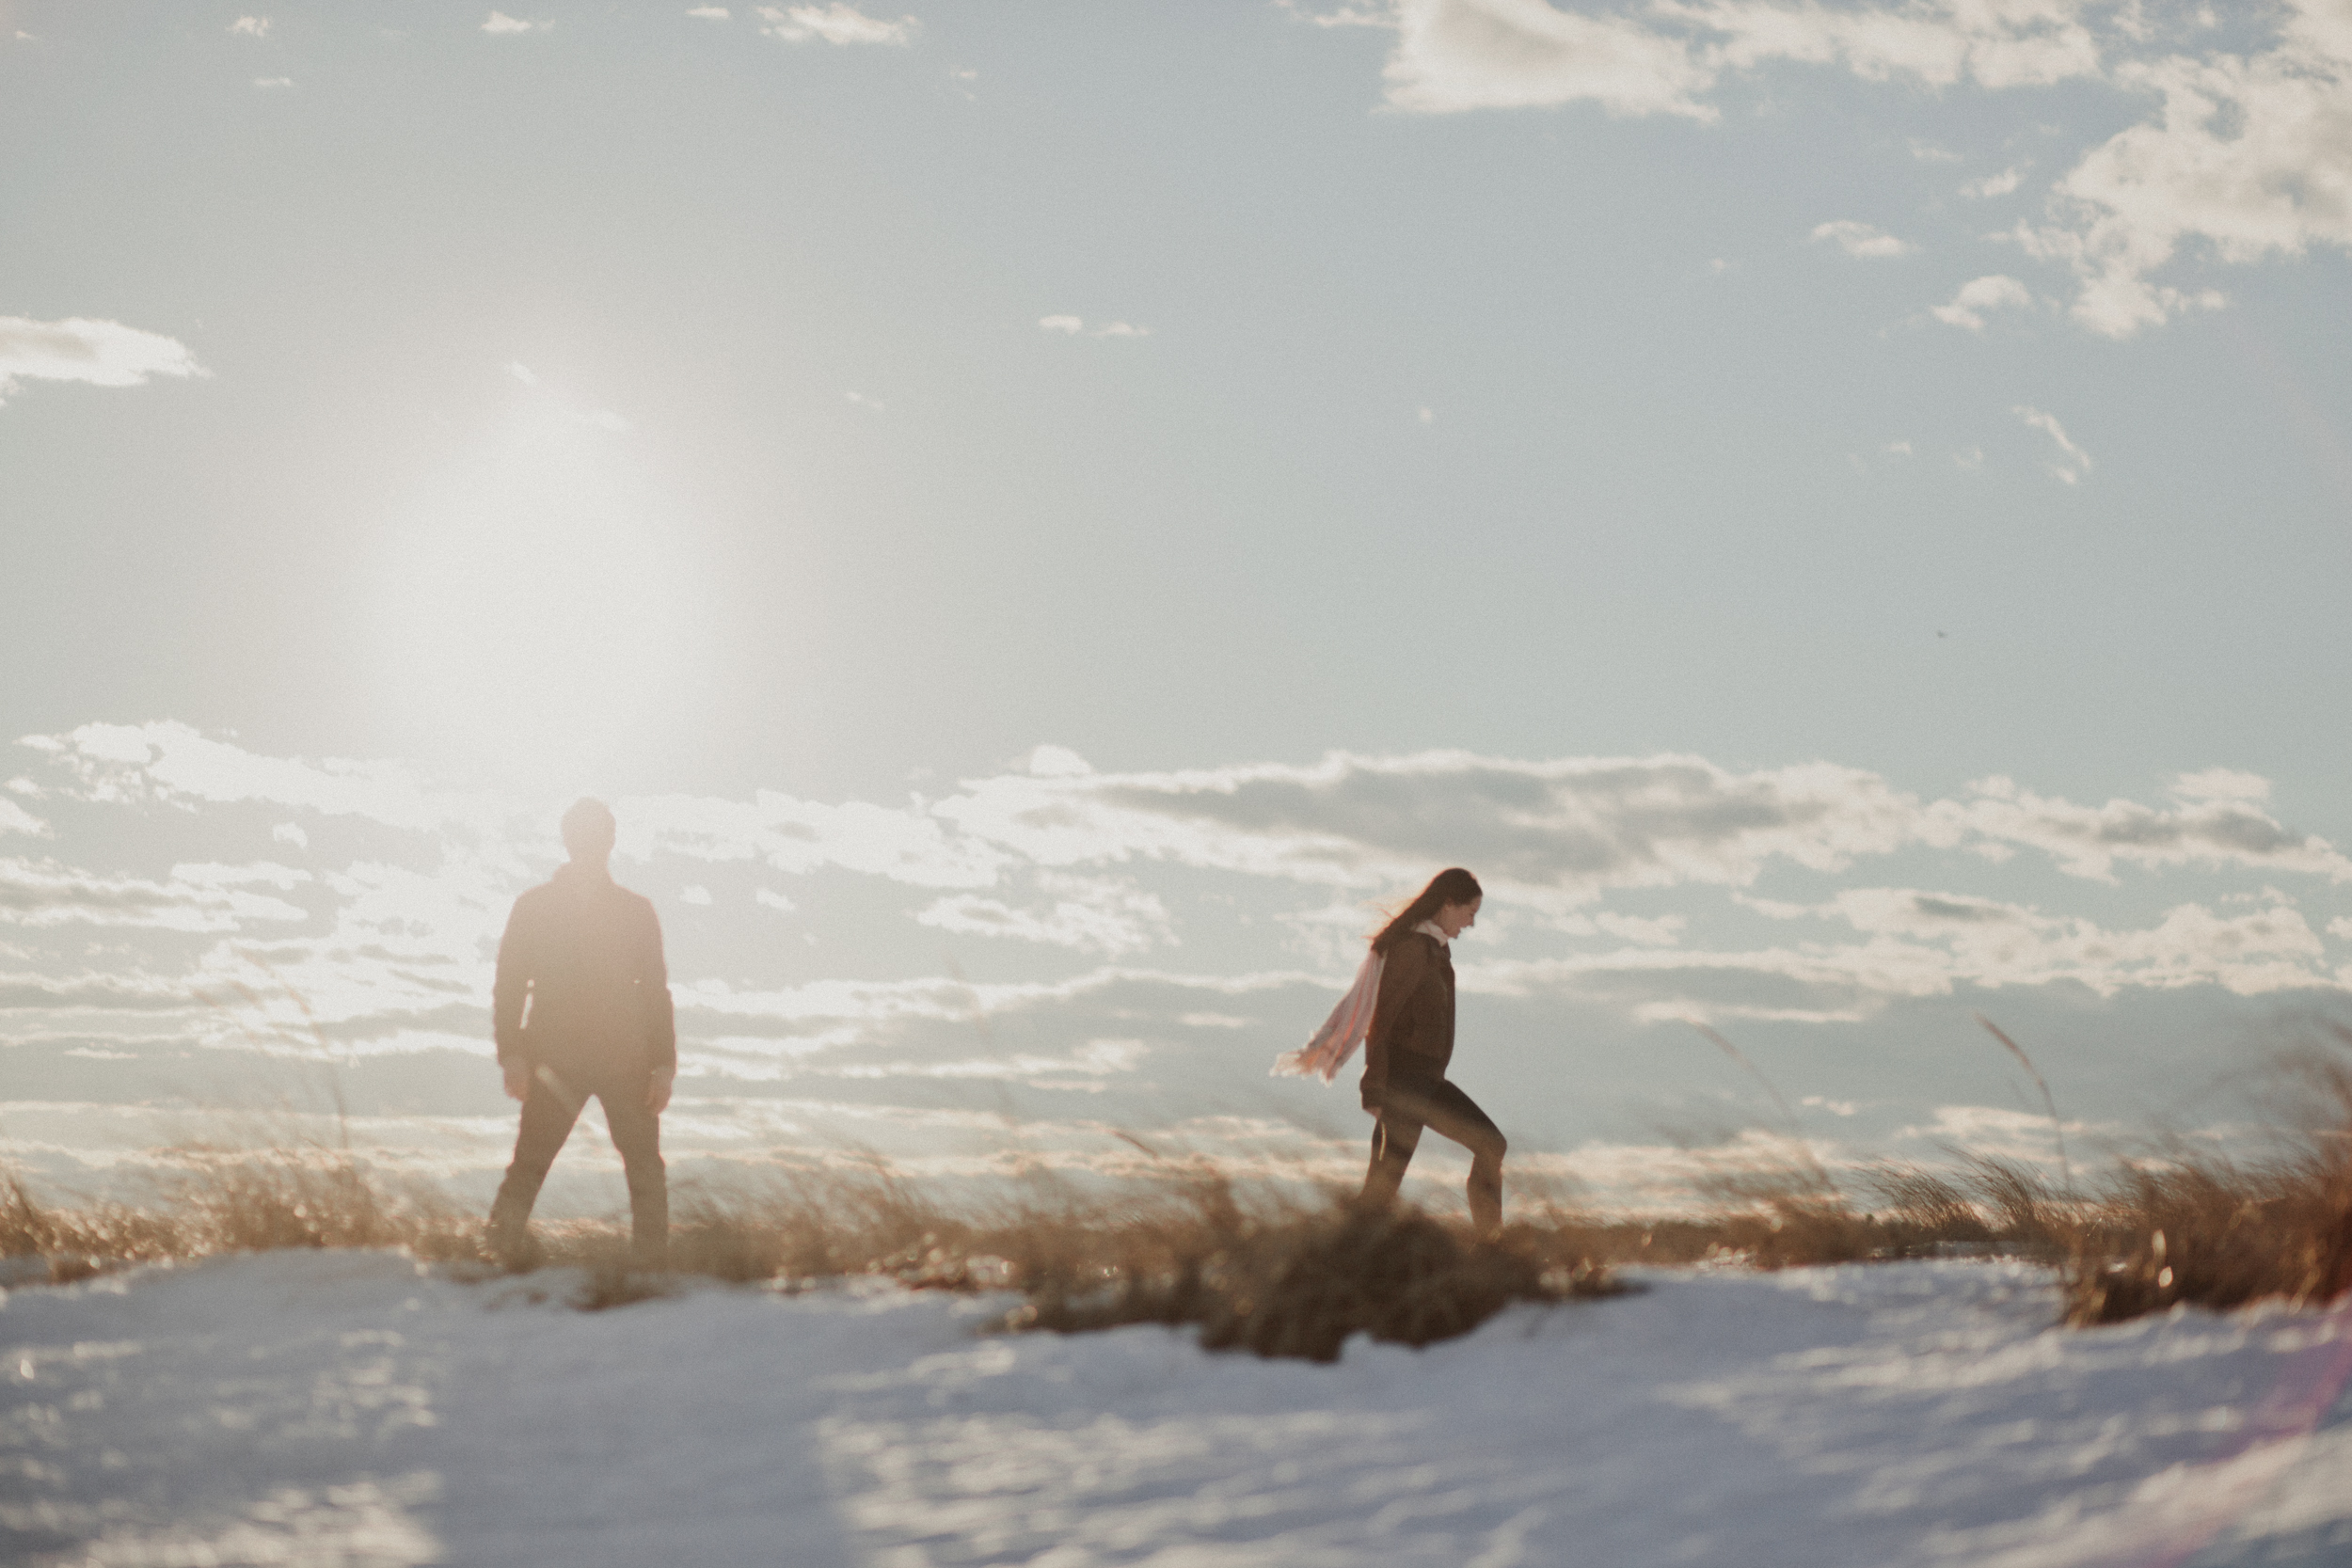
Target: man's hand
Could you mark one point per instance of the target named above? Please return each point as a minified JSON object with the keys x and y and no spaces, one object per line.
{"x":658,"y":1090}
{"x":517,"y":1080}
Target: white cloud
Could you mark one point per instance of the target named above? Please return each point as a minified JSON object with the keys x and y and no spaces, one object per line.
{"x":861,"y":401}
{"x":1994,"y":44}
{"x":838,"y":24}
{"x":1458,"y":54}
{"x":500,"y":23}
{"x":1860,"y":239}
{"x":2221,"y":784}
{"x":905,"y":844}
{"x":1661,"y":931}
{"x":2341,"y":927}
{"x":169,"y":762}
{"x":1992,"y":943}
{"x":522,"y":373}
{"x":1453,"y":55}
{"x":694,"y":893}
{"x":709,"y":13}
{"x":1920,"y":945}
{"x":2247,"y":155}
{"x":1554,"y":830}
{"x":1993,"y":185}
{"x":196,"y":898}
{"x":252,"y":27}
{"x":88,"y":992}
{"x":101,"y":353}
{"x":1559,"y":832}
{"x":1093,"y":1059}
{"x":273,"y":81}
{"x":1994,"y":292}
{"x":1347,"y":13}
{"x":1088,"y":913}
{"x":2072,"y":462}
{"x":16,"y":819}
{"x":1072,"y":325}
{"x":2091,"y":841}
{"x":2250,"y":156}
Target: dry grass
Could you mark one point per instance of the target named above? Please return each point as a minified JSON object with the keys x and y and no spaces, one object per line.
{"x":1295,"y":1280}
{"x":2187,"y":1226}
{"x":1280,"y":1274}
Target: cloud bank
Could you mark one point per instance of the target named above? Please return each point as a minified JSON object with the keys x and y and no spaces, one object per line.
{"x":943,"y":979}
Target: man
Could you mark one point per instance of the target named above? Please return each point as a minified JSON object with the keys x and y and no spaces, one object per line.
{"x":582,"y":1007}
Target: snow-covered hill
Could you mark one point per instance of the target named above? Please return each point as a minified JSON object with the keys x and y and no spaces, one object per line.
{"x":350,"y":1409}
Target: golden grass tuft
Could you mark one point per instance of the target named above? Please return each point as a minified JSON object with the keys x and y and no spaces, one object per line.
{"x":1293,"y":1280}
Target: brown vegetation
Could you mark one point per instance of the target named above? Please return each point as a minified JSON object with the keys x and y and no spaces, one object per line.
{"x":1281,"y":1274}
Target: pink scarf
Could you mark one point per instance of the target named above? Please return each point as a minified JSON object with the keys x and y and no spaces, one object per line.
{"x":1341,"y":1033}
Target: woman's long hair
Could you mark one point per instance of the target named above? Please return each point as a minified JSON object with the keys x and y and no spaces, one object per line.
{"x":1453,"y":885}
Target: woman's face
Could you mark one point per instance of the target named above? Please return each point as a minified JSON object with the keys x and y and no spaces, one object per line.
{"x":1454,"y":919}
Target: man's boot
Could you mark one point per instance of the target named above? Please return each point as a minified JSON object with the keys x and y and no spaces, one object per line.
{"x":508,"y":1237}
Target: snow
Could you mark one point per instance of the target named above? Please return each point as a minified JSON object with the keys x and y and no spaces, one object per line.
{"x":355,"y":1409}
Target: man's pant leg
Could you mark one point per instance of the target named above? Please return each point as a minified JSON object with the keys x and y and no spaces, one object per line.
{"x":547,"y":1121}
{"x":637,"y":1134}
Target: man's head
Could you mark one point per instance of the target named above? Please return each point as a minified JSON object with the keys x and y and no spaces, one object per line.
{"x":588,"y":831}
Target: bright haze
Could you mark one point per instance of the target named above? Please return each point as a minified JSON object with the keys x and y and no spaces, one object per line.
{"x":1043,"y":518}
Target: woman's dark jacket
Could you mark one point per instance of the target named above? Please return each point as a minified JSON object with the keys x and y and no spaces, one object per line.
{"x":1411,"y":1039}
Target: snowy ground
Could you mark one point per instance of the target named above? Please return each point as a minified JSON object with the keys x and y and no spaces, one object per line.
{"x":354,"y":1408}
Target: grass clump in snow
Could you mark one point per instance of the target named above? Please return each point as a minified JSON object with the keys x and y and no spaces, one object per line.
{"x":1299,"y":1280}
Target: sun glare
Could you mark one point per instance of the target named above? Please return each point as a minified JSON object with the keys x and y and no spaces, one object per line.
{"x":537,"y":614}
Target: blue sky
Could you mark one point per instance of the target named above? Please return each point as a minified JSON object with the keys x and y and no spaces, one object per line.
{"x":1043,"y":517}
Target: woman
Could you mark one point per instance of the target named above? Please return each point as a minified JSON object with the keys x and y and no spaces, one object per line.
{"x":1402,"y":1008}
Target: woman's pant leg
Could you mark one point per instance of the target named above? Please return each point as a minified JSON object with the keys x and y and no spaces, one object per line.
{"x":1444,"y":1108}
{"x":1394,"y":1137}
{"x":1457,"y":1115}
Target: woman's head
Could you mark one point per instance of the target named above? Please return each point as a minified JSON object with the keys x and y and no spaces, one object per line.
{"x":1452,"y":897}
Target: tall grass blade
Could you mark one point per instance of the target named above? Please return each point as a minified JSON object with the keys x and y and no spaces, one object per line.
{"x":2057,"y":1128}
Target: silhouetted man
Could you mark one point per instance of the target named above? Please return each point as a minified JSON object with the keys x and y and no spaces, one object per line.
{"x":582,"y":1007}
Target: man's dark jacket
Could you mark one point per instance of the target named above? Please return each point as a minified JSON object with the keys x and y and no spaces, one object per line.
{"x":582,"y":985}
{"x":1411,"y":1039}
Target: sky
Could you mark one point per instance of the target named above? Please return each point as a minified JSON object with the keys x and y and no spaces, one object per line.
{"x":1043,"y":520}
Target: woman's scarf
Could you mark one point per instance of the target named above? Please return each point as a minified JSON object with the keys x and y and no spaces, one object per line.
{"x":1350,"y":1021}
{"x":1341,"y":1033}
